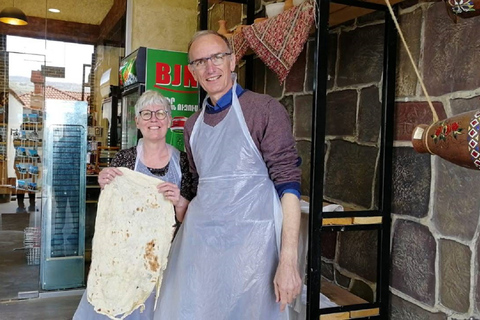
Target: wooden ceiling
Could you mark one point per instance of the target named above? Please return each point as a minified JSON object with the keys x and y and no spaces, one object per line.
{"x":81,"y":21}
{"x":340,"y":13}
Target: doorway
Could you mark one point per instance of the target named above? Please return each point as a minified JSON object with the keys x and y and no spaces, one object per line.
{"x":35,"y":71}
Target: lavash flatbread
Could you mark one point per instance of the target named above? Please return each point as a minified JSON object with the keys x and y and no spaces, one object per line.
{"x":133,"y":232}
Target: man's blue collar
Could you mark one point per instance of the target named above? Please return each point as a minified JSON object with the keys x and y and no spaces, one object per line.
{"x":224,"y":102}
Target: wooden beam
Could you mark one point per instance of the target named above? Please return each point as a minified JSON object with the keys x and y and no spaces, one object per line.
{"x":50,"y":29}
{"x":113,"y":21}
{"x":340,"y":13}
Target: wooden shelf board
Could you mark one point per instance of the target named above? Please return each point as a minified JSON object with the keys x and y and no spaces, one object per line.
{"x":91,"y":201}
{"x":32,"y":124}
{"x":339,"y":295}
{"x":364,"y":313}
{"x":367,"y":220}
{"x":337,"y":221}
{"x":335,"y":316}
{"x":27,"y":143}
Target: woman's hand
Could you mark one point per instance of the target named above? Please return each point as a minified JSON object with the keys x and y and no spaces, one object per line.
{"x":170,"y":191}
{"x":107,"y":175}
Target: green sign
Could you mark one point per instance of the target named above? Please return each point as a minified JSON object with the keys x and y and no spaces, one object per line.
{"x":167,"y":72}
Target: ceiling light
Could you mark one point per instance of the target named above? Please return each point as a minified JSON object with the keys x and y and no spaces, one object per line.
{"x":14,"y":16}
{"x":54,"y":10}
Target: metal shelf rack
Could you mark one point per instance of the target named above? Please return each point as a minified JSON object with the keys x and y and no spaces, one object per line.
{"x":316,"y":216}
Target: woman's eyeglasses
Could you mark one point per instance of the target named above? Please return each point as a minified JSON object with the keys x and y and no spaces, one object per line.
{"x":217,"y":59}
{"x":147,"y":114}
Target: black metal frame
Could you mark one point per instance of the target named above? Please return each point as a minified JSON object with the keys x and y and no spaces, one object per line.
{"x":318,"y":159}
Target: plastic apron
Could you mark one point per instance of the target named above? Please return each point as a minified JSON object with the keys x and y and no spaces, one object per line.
{"x":224,"y":257}
{"x":85,"y":310}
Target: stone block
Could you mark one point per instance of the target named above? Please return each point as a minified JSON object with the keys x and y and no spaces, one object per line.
{"x":450,"y":61}
{"x":341,"y":113}
{"x":357,"y":253}
{"x":303,"y":148}
{"x":464,"y":105}
{"x":259,"y":78}
{"x":411,"y":179}
{"x":362,"y":290}
{"x":303,"y":116}
{"x":403,"y":310}
{"x":332,"y":59}
{"x":342,"y":280}
{"x":241,"y":75}
{"x":411,"y":25}
{"x":360,"y":56}
{"x":413,"y":261}
{"x":410,"y":114}
{"x":369,"y":115}
{"x":215,"y":13}
{"x":273,"y":88}
{"x":233,"y":14}
{"x":371,"y":17}
{"x":327,"y":270}
{"x":328,"y":243}
{"x":287,"y":102}
{"x":454,"y":273}
{"x":350,"y":171}
{"x":456,"y":200}
{"x":296,"y":77}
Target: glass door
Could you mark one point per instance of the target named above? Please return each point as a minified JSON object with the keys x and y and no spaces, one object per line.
{"x":21,"y":122}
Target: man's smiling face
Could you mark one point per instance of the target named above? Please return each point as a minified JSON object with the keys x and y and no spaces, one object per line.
{"x":215,"y":80}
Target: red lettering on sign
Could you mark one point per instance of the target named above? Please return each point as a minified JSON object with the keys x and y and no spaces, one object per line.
{"x":188,"y":79}
{"x":177,"y":74}
{"x":162,"y":74}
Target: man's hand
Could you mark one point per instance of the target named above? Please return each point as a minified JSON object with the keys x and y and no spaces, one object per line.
{"x":287,"y":282}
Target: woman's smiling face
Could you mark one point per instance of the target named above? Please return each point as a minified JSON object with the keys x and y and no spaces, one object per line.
{"x":153,"y":128}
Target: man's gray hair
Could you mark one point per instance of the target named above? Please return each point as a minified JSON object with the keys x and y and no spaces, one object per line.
{"x":202,"y":33}
{"x":152,"y":97}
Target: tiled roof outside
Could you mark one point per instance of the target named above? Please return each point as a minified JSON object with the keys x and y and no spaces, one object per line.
{"x":54,"y":94}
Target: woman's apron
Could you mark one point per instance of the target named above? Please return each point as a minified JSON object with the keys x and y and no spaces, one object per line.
{"x":85,"y":310}
{"x":224,"y":258}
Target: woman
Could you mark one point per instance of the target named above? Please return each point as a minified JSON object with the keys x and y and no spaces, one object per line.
{"x":154,"y":157}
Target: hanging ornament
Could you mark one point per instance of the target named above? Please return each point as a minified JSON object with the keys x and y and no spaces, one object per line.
{"x":455,"y":139}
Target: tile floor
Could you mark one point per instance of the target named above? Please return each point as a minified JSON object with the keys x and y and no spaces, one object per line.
{"x":16,"y":276}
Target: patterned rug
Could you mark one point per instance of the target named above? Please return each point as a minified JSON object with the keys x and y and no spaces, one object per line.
{"x":279,"y":41}
{"x":15,"y":221}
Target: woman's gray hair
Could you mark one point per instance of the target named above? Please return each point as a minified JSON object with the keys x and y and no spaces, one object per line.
{"x":152,"y":97}
{"x":202,"y":33}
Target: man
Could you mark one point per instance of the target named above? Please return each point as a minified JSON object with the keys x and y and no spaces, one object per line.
{"x":225,"y":262}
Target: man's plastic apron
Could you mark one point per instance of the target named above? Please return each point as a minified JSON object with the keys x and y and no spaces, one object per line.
{"x":225,"y":255}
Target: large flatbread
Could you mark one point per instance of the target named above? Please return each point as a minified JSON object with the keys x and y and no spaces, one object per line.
{"x":133,"y":233}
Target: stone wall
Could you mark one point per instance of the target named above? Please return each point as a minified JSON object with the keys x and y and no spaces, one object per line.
{"x":435,"y":253}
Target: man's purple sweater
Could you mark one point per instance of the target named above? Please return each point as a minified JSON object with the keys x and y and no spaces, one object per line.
{"x":269,"y":125}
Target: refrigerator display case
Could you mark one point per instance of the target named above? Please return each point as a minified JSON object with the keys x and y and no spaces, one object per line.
{"x":132,"y":82}
{"x":166,"y":72}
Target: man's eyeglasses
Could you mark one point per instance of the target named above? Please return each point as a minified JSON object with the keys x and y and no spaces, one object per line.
{"x":147,"y":114}
{"x":217,"y":59}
